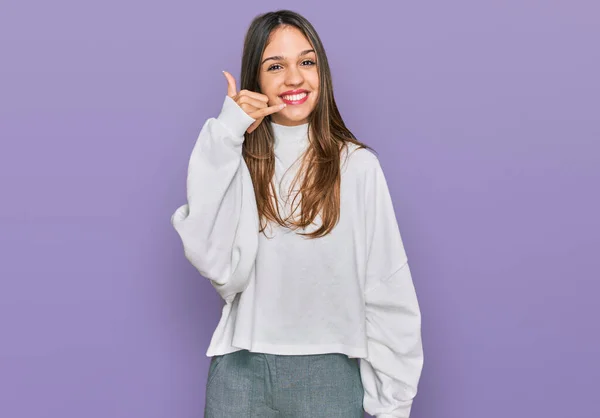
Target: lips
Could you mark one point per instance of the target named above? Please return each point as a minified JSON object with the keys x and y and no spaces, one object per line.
{"x":297,"y":91}
{"x":295,"y":97}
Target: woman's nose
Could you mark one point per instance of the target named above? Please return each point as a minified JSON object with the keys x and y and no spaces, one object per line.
{"x":294,"y":76}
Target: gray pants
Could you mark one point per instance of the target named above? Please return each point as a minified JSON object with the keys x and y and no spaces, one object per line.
{"x":244,"y":384}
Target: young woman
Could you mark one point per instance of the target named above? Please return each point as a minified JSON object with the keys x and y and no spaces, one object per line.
{"x":290,"y":218}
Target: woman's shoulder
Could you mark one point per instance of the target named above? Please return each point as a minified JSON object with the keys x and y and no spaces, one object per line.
{"x":357,"y":159}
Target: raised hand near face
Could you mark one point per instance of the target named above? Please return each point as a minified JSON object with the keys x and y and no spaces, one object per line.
{"x":254,"y":104}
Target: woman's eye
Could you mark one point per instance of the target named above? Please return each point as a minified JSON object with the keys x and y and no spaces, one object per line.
{"x":272,"y":67}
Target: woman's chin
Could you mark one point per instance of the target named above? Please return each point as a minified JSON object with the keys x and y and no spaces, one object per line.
{"x":289,"y":116}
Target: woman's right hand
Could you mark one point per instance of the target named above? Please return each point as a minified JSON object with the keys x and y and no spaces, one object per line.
{"x":254,"y":104}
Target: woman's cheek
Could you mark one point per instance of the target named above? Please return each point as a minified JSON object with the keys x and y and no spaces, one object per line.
{"x":315,"y":99}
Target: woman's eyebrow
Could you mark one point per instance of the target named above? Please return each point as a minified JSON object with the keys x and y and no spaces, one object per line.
{"x":281,"y":58}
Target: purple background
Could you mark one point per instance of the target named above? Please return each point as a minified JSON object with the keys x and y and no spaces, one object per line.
{"x":486,"y":119}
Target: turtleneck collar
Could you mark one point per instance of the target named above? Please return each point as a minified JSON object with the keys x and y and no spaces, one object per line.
{"x":290,"y":136}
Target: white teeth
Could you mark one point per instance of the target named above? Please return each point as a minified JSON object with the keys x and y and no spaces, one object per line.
{"x":295,"y":97}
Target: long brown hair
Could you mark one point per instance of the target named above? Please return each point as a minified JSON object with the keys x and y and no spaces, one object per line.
{"x":328,"y":135}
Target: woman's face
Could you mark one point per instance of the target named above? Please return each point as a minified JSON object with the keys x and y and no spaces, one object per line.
{"x":288,"y":74}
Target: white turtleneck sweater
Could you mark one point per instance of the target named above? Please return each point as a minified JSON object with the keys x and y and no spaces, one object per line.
{"x":348,"y":292}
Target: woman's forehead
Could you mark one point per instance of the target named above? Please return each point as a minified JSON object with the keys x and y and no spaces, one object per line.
{"x":288,"y":42}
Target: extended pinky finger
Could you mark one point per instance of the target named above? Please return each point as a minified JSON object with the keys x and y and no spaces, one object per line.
{"x":267,"y":111}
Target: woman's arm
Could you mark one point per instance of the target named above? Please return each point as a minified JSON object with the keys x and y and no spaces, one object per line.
{"x":219,"y":225}
{"x":392,"y":369}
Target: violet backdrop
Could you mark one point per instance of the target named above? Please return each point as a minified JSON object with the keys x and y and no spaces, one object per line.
{"x":486,"y":117}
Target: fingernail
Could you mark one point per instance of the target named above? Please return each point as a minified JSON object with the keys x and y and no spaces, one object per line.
{"x":282,"y":105}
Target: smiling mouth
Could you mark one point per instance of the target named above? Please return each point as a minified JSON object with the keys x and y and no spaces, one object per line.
{"x":295,"y":99}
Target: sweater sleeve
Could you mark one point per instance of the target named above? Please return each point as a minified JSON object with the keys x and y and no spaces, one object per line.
{"x":218,"y":225}
{"x":392,"y":368}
